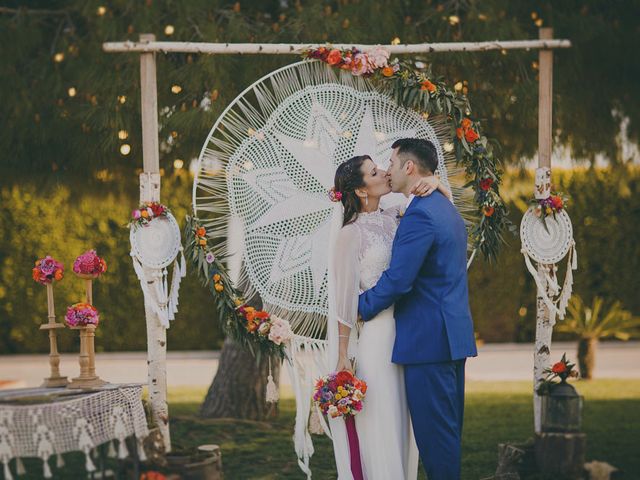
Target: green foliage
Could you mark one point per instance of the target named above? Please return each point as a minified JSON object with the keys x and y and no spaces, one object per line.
{"x":51,"y":131}
{"x":596,"y":322}
{"x":604,"y":206}
{"x":64,"y":222}
{"x":37,"y":219}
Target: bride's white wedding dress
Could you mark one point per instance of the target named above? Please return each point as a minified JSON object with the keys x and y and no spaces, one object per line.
{"x":362,"y":251}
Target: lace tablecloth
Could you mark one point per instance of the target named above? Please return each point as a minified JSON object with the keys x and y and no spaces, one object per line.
{"x":44,"y":423}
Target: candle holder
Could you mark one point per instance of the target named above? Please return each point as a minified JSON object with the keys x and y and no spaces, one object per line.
{"x":55,"y":379}
{"x":87,"y":360}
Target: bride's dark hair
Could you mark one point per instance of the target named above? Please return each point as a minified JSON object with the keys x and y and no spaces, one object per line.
{"x":348,"y":177}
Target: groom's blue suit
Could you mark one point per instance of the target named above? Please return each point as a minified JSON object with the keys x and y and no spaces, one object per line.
{"x":427,"y":282}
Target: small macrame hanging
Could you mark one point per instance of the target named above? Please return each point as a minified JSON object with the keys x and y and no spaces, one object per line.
{"x":153,"y":248}
{"x":547,"y":241}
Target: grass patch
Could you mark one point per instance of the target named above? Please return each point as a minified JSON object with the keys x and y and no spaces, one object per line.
{"x":495,"y":412}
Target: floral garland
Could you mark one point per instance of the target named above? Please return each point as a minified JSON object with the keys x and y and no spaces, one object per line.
{"x":146,"y":212}
{"x":412,"y":85}
{"x":254,"y":329}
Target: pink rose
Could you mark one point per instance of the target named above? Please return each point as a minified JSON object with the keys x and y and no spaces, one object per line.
{"x":135,"y":214}
{"x":280,"y":331}
{"x":378,"y":57}
{"x":360,"y":64}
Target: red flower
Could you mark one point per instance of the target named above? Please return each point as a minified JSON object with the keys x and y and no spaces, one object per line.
{"x":485,"y":184}
{"x":334,"y":57}
{"x":556,"y":201}
{"x":344,"y":377}
{"x":427,"y":85}
{"x":559,"y":367}
{"x":465,"y":124}
{"x":471,"y":136}
{"x":157,"y":209}
{"x":488,"y":211}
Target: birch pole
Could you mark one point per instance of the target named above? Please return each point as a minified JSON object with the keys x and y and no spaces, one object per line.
{"x":150,"y":192}
{"x":545,"y":319}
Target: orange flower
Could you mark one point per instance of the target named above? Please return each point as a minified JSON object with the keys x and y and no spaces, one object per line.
{"x":488,"y":211}
{"x":218,"y":287}
{"x":35,"y":273}
{"x":387,"y":71}
{"x":262,"y":315}
{"x":459,"y":133}
{"x":465,"y":124}
{"x":103,"y":264}
{"x":201,"y":232}
{"x":58,"y":275}
{"x":471,"y":136}
{"x":202,"y":241}
{"x":334,"y":57}
{"x":427,"y":85}
{"x":144,"y":213}
{"x":216,"y":277}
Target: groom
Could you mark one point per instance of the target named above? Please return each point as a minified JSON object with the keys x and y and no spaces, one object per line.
{"x":427,"y":281}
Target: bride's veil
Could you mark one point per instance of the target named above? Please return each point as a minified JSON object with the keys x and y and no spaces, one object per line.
{"x":338,"y":431}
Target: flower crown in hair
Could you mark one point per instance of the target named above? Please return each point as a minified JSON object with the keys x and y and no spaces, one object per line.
{"x":334,"y":195}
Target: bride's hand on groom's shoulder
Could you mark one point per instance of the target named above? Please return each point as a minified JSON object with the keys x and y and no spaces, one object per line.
{"x":426,"y":186}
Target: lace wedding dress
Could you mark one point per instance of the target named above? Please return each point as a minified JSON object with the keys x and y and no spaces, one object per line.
{"x":362,"y":252}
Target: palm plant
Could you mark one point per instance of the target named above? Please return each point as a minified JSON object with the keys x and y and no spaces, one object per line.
{"x":591,"y":324}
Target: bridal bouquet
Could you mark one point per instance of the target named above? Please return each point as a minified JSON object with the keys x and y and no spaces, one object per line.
{"x":340,"y":394}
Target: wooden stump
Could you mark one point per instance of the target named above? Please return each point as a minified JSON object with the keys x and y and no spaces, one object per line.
{"x":561,"y":455}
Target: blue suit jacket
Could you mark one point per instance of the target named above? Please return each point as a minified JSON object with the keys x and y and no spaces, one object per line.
{"x":427,"y":281}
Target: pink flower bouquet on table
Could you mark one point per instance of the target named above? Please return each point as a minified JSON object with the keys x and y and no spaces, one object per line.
{"x":89,"y":264}
{"x":341,"y":394}
{"x":81,"y":315}
{"x":47,"y":270}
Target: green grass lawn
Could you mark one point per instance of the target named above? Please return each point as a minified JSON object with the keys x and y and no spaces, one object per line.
{"x":495,"y":412}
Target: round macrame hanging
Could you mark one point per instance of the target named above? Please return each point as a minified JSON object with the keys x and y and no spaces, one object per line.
{"x":153,"y":248}
{"x":547,"y":241}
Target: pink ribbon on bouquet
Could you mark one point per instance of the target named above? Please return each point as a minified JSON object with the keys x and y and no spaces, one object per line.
{"x":354,"y":448}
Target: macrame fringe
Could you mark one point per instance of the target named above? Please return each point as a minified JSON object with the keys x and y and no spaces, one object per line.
{"x":88,"y":464}
{"x":315,"y":427}
{"x":272,"y":395}
{"x":161,"y":300}
{"x":46,"y":468}
{"x":122,"y":449}
{"x":7,"y":470}
{"x":59,"y":461}
{"x":111,"y":450}
{"x":20,"y":470}
{"x":141,"y":453}
{"x":559,"y":306}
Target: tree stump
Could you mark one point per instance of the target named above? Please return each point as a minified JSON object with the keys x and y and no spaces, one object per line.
{"x":239,"y":387}
{"x":561,"y":455}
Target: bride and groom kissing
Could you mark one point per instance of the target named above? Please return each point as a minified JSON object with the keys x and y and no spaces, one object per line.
{"x":402,"y":271}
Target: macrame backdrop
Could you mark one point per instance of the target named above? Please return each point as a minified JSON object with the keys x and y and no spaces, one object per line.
{"x":262,"y":182}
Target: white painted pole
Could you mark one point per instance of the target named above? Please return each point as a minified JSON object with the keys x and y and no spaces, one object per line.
{"x":298,"y":48}
{"x":545,"y":319}
{"x":149,"y":192}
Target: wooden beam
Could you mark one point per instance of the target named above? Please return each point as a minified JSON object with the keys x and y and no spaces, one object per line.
{"x":149,"y":110}
{"x":299,"y":48}
{"x":545,"y":101}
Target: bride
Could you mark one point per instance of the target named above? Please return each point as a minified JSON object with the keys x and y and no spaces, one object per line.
{"x":360,"y":251}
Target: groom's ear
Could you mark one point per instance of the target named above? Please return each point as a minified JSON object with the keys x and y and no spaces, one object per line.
{"x":409,"y":167}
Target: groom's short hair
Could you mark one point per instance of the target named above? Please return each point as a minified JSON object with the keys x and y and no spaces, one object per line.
{"x":422,"y":152}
